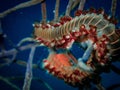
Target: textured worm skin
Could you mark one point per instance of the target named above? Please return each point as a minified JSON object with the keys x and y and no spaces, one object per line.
{"x":103,"y":27}
{"x":89,"y":19}
{"x":90,"y":26}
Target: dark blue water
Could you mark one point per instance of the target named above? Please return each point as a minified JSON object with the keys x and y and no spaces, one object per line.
{"x":18,"y":25}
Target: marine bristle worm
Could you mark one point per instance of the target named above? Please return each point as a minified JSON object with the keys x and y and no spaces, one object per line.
{"x":92,"y":28}
{"x":90,"y":31}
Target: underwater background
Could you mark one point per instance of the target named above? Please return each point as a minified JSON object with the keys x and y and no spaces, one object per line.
{"x":18,"y":25}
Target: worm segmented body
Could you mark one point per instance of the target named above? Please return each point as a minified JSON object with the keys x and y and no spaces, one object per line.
{"x":94,"y":30}
{"x":102,"y":27}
